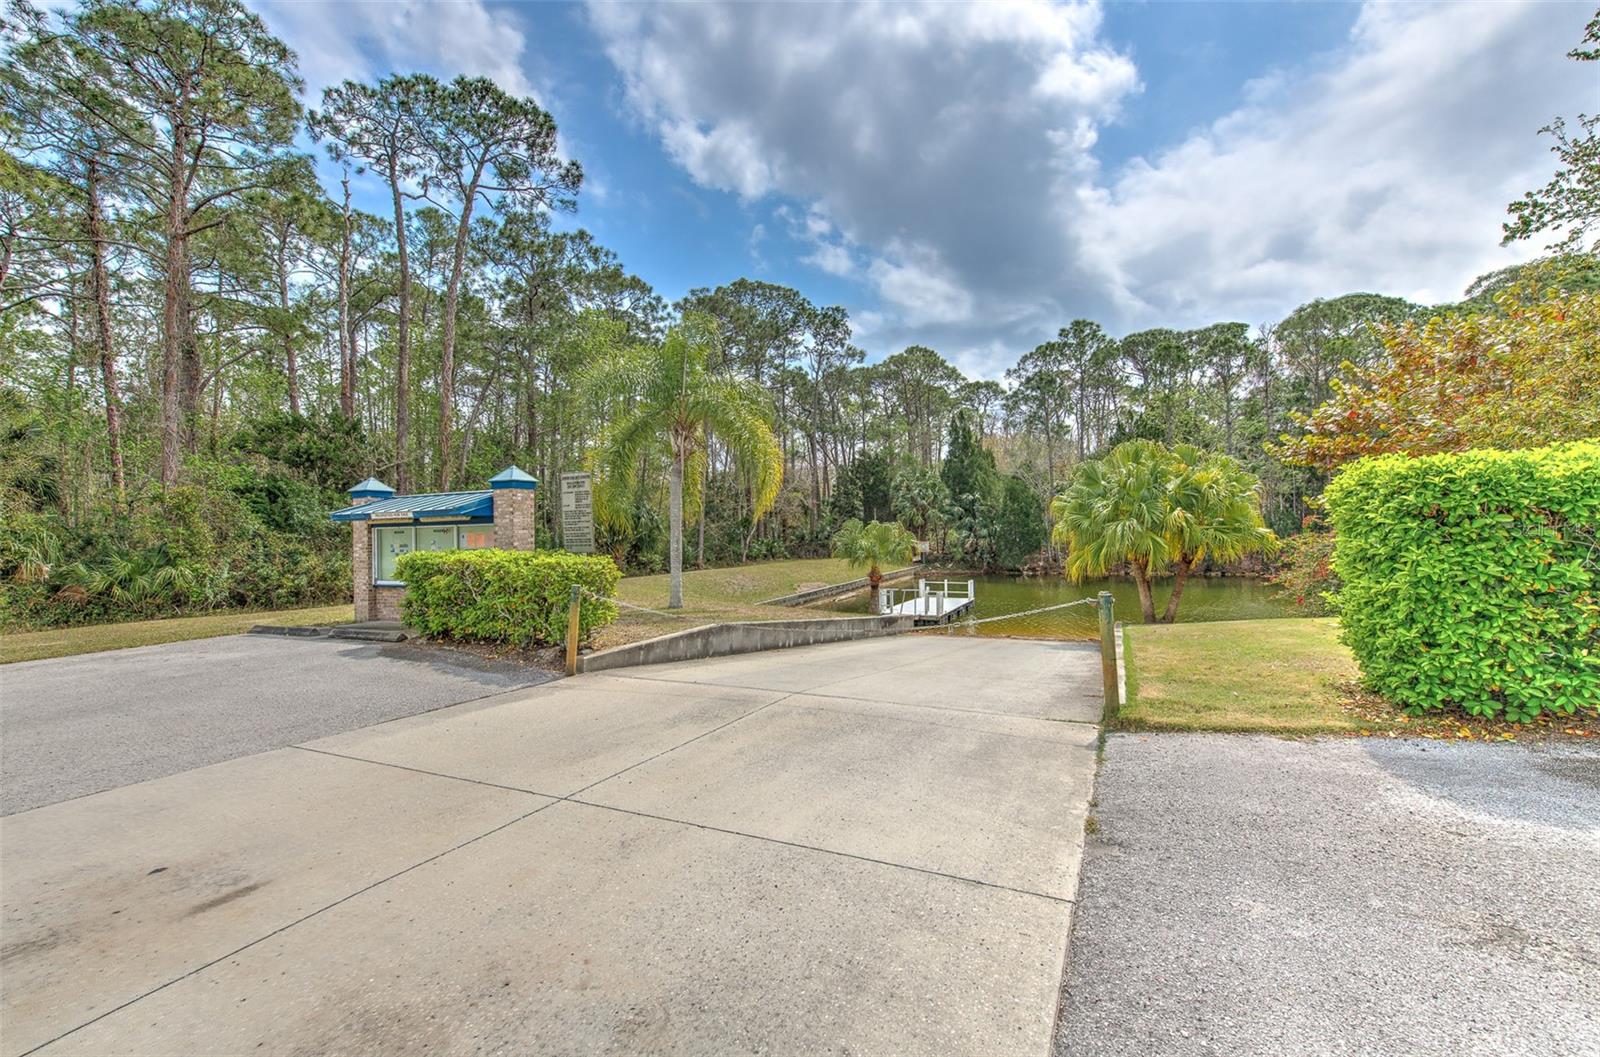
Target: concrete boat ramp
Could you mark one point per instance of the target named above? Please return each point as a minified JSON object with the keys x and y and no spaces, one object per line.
{"x":767,"y":853}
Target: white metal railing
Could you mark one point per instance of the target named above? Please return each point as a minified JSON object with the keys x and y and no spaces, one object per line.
{"x":934,"y":597}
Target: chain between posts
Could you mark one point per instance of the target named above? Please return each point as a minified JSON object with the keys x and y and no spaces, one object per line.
{"x":1025,"y":613}
{"x":578,"y":591}
{"x":630,"y":605}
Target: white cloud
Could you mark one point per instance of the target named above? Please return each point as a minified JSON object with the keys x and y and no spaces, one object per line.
{"x":365,"y":41}
{"x":1389,"y":170}
{"x":944,"y":155}
{"x":832,"y":258}
{"x":910,"y":133}
{"x":915,"y":281}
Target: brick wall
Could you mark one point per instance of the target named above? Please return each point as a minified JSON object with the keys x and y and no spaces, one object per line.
{"x":386,"y":603}
{"x":361,"y":567}
{"x":361,"y":563}
{"x":372,"y":602}
{"x":513,"y":519}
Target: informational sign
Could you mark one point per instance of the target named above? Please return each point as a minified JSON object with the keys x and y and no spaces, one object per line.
{"x":577,"y":512}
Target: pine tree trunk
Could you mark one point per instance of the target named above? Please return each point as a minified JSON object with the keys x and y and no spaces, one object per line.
{"x":102,"y":311}
{"x":347,"y":351}
{"x":172,"y":311}
{"x":402,"y":381}
{"x":69,"y":378}
{"x":291,"y":361}
{"x":675,"y":537}
{"x":452,"y":302}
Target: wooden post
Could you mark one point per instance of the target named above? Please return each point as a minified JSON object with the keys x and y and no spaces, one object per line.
{"x":572,"y":632}
{"x":1108,"y":657}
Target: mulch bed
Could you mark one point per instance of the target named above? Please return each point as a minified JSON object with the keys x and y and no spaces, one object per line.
{"x":1387,"y":721}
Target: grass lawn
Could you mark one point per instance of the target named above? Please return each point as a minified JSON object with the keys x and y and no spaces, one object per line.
{"x":1280,"y":676}
{"x":1287,"y":676}
{"x":739,"y":584}
{"x":64,"y":642}
{"x":714,"y":595}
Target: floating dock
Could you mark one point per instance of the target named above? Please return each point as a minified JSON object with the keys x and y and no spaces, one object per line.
{"x":931,"y":601}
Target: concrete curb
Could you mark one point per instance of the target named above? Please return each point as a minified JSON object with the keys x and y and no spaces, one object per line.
{"x":303,"y":631}
{"x":800,"y":598}
{"x":749,"y":636}
{"x":371,"y":634}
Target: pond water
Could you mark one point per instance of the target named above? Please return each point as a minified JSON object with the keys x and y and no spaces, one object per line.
{"x":1204,"y":598}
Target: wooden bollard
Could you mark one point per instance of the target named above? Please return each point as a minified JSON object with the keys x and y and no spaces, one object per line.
{"x":1108,"y":657}
{"x":572,"y":632}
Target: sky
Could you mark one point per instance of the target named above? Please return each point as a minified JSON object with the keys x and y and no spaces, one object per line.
{"x":972,"y":177}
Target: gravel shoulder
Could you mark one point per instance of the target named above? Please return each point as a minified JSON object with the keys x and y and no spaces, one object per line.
{"x":71,"y":726}
{"x":1251,"y":895}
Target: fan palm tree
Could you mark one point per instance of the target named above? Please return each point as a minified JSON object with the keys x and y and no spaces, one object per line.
{"x":871,"y":547}
{"x":1113,"y":512}
{"x":1148,"y":506}
{"x":1215,"y":513}
{"x":676,"y":400}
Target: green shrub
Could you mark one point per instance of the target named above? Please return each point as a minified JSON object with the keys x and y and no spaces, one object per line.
{"x":518,"y":597}
{"x":1472,"y":580}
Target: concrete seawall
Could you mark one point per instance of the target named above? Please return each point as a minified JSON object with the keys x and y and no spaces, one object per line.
{"x":718,"y":640}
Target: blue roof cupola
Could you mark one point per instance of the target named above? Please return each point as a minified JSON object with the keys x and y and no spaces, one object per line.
{"x":371,"y":488}
{"x":513,"y":477}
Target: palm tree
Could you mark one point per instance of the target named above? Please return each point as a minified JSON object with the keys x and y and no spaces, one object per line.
{"x":1148,"y":506}
{"x":872,"y":547}
{"x":1215,"y":513}
{"x":1113,"y":512}
{"x":676,"y":400}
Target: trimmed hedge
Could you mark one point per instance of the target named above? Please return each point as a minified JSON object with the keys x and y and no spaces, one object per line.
{"x":518,"y":597}
{"x":1472,"y":580}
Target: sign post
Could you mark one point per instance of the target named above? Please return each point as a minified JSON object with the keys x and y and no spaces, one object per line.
{"x":577,"y":513}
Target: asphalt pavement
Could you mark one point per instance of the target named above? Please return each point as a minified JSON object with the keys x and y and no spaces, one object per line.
{"x":1252,"y":895}
{"x":70,"y":726}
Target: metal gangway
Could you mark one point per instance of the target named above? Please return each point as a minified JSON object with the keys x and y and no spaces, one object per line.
{"x":930,"y":602}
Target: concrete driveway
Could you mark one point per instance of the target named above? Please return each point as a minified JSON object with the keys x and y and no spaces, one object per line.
{"x":76,"y":725}
{"x":869,"y":847}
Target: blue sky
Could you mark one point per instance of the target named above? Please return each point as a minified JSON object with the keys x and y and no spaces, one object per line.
{"x":973,"y":177}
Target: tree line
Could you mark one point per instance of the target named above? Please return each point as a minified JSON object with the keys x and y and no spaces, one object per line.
{"x":190,"y":317}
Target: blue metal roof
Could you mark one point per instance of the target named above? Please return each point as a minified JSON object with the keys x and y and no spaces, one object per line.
{"x":433,"y":504}
{"x":371,"y":487}
{"x":513,"y":477}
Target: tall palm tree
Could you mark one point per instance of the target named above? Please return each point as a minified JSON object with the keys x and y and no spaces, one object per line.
{"x":676,"y":399}
{"x":1148,"y":506}
{"x":872,"y":547}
